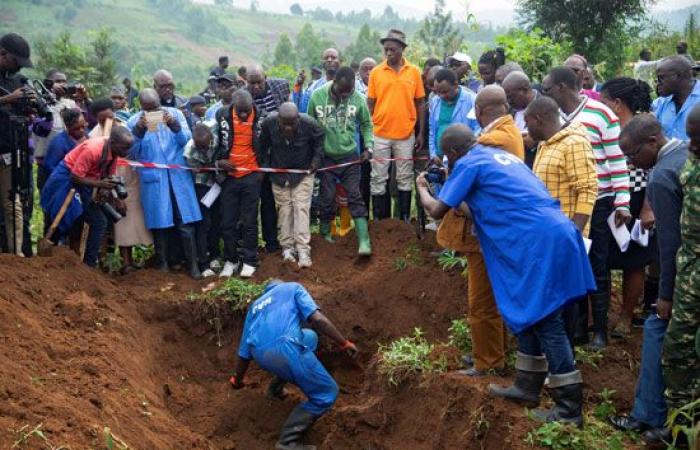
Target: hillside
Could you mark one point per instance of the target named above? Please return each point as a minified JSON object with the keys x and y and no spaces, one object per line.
{"x":148,"y":39}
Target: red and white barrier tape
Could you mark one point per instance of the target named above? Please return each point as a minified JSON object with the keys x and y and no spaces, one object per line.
{"x":150,"y":165}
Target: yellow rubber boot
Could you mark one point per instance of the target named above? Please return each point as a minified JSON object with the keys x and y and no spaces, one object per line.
{"x":345,"y":221}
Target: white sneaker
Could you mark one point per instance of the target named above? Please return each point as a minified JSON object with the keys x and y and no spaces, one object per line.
{"x":229,"y":269}
{"x":288,"y":255}
{"x":304,"y":259}
{"x":432,"y":226}
{"x":215,"y":264}
{"x":247,"y":271}
{"x":208,"y":273}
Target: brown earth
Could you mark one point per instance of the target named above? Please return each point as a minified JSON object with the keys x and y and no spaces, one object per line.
{"x":81,"y":351}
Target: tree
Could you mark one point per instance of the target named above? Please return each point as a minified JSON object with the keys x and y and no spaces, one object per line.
{"x":93,"y":65}
{"x":366,"y":45}
{"x":228,"y":3}
{"x":296,"y":10}
{"x":438,"y":33}
{"x":596,"y":29}
{"x":284,"y":52}
{"x":254,"y":5}
{"x":534,"y":51}
{"x":310,"y":46}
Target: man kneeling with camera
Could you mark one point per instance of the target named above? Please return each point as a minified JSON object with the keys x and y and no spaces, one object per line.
{"x":89,"y":169}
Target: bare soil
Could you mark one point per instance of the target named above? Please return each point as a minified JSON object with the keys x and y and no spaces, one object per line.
{"x":80,"y":351}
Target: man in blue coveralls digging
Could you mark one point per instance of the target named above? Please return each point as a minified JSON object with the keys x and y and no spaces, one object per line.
{"x":535,"y":258}
{"x":273,"y":336}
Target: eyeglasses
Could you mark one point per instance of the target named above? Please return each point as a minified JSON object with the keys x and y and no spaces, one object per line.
{"x":631,"y":155}
{"x":661,"y":77}
{"x":547,"y":90}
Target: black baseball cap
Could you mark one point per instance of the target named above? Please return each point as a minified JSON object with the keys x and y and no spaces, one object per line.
{"x":231,"y":78}
{"x":19,"y":48}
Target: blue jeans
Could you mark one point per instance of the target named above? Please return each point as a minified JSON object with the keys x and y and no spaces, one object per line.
{"x":548,"y":337}
{"x":96,"y":218}
{"x":649,"y":402}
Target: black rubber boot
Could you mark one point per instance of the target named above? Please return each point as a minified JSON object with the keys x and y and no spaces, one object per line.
{"x":378,"y":207}
{"x":405,"y":206}
{"x":160,"y":243}
{"x":297,"y":423}
{"x":567,"y":392}
{"x":599,"y":307}
{"x":190,"y":248}
{"x":276,"y":389}
{"x":531,"y":372}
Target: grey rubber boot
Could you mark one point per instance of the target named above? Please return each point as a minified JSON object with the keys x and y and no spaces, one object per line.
{"x":567,"y":392}
{"x":531,"y":372}
{"x":297,"y":423}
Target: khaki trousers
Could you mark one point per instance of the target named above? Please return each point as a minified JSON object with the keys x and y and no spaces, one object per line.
{"x":487,"y":328}
{"x":388,"y":148}
{"x":11,"y":207}
{"x":293,"y":208}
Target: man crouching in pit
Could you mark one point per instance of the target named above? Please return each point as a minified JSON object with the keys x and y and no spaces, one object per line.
{"x":273,"y":336}
{"x":536,"y":260}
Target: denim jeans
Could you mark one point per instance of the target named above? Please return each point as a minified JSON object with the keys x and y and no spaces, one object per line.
{"x":649,"y":402}
{"x":548,"y":337}
{"x":96,"y":218}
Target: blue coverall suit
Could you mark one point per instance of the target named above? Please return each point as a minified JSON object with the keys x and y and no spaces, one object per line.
{"x":274,"y":338}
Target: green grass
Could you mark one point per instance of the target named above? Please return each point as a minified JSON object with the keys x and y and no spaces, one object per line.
{"x":408,"y":357}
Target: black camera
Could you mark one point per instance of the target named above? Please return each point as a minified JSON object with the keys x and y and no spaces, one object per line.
{"x":120,"y":189}
{"x":111,"y":212}
{"x":435,"y":174}
{"x":39,"y":105}
{"x":71,"y":89}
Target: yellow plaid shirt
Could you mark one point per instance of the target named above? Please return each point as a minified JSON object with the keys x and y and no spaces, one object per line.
{"x":566,"y":165}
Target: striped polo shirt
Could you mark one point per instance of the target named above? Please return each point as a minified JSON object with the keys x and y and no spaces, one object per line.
{"x":603,"y":130}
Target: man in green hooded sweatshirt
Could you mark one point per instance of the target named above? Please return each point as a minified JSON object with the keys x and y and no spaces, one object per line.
{"x":341,"y":111}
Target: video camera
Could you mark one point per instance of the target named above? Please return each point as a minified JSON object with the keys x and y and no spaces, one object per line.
{"x":119,"y":192}
{"x":41,"y":102}
{"x":435,"y":176}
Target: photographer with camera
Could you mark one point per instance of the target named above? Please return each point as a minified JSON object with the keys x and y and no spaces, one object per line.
{"x":91,"y":165}
{"x":16,"y":99}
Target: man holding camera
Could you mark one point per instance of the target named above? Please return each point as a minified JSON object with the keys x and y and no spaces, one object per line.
{"x":14,"y":55}
{"x":90,"y":165}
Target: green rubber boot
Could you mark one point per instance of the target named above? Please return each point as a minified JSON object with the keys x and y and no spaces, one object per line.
{"x":364,"y":245}
{"x":325,"y":229}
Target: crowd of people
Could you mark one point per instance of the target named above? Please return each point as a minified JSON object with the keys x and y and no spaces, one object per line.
{"x":545,"y":187}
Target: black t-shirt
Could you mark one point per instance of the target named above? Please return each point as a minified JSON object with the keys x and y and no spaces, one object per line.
{"x":9,"y":83}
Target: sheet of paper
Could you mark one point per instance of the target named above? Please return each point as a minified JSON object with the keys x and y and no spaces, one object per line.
{"x":639,"y":234}
{"x":211,"y":195}
{"x":587,"y":242}
{"x":153,"y":118}
{"x":621,"y":233}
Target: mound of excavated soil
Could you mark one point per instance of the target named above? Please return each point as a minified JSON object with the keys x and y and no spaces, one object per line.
{"x":81,"y":351}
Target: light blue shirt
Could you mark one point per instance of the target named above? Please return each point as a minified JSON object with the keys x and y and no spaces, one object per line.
{"x":465,"y":104}
{"x":672,"y":121}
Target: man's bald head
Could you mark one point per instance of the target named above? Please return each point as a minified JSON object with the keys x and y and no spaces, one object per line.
{"x":288,"y":110}
{"x":120,"y":141}
{"x":642,"y":139}
{"x":288,"y":119}
{"x":542,"y":118}
{"x":579,"y":65}
{"x":518,"y":90}
{"x":491,"y":103}
{"x":331,"y":62}
{"x":165,"y":85}
{"x":366,"y":67}
{"x":242,"y":103}
{"x":674,"y":75}
{"x":149,"y":99}
{"x":255,"y":76}
{"x":456,"y":141}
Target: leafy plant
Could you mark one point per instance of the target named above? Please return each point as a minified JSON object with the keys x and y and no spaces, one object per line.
{"x":400,"y":264}
{"x":680,"y":420}
{"x":533,"y":50}
{"x":112,"y":442}
{"x":113,"y":262}
{"x":460,"y":335}
{"x":590,"y":357}
{"x":595,"y":434}
{"x":449,"y":260}
{"x":236,"y":293}
{"x":407,"y":357}
{"x":24,"y":435}
{"x":141,"y":254}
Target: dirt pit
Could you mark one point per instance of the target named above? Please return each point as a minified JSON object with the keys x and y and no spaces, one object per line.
{"x":82,"y":351}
